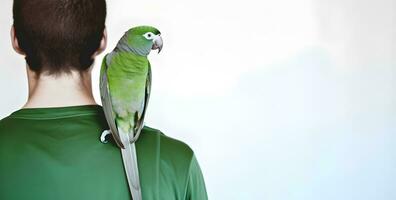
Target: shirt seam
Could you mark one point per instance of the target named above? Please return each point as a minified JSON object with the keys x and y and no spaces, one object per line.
{"x":47,"y":118}
{"x":159,"y":165}
{"x":187,"y":181}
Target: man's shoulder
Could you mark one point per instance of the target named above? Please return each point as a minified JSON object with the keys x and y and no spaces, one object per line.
{"x":6,"y":123}
{"x":168,"y":147}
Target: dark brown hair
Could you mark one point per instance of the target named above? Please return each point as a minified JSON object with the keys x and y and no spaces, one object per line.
{"x":59,"y":35}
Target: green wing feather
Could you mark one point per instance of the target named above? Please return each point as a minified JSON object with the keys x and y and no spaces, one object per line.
{"x":107,"y":104}
{"x":140,"y":121}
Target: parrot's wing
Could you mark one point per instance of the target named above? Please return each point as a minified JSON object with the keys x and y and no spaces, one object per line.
{"x":106,"y":103}
{"x":140,"y":121}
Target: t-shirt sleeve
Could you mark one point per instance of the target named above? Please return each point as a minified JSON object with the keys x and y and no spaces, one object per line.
{"x":196,"y":189}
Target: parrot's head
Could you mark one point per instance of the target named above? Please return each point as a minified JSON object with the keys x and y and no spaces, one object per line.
{"x":142,"y":39}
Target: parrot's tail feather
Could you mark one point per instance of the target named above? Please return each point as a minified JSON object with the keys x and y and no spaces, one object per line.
{"x":131,"y":166}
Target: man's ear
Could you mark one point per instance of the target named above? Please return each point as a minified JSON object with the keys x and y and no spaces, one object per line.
{"x":14,"y":42}
{"x":103,"y":44}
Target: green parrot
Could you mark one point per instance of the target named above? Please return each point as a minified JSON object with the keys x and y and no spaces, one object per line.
{"x":125,"y":83}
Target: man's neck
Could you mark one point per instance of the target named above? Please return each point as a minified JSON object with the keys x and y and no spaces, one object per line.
{"x":59,"y":91}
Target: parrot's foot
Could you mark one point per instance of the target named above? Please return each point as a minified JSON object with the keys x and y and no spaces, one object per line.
{"x":103,"y":136}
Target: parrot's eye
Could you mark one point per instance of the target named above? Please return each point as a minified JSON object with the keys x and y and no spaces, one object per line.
{"x":149,"y":35}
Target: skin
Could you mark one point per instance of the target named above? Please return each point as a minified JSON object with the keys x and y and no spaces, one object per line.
{"x":76,"y":87}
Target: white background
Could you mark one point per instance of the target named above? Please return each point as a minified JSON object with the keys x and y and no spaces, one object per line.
{"x":279,"y":99}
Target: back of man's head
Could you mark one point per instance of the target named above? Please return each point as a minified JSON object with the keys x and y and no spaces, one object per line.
{"x":59,"y":35}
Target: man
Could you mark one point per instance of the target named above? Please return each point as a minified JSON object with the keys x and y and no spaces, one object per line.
{"x":50,"y":149}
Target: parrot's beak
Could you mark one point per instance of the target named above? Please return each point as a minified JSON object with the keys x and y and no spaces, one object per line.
{"x":157,"y":43}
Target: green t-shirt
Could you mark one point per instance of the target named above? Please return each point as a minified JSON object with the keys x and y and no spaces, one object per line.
{"x":56,"y":153}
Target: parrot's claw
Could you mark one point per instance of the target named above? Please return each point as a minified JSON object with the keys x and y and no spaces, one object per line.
{"x":103,"y":136}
